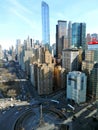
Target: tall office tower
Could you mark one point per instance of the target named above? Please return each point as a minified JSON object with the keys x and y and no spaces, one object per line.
{"x":27,"y":44}
{"x":45,"y":23}
{"x":94,"y":82}
{"x":41,"y":55}
{"x":31,"y":43}
{"x":70,"y":59}
{"x":76,"y":86}
{"x":61,"y":32}
{"x":18,"y":49}
{"x":54,"y":50}
{"x":79,"y":35}
{"x":69,"y":34}
{"x":1,"y":52}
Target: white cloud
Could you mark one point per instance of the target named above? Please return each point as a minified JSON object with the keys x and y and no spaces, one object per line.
{"x":22,"y":17}
{"x":20,"y":7}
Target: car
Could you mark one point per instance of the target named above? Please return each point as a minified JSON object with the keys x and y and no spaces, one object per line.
{"x":16,"y":112}
{"x":19,"y":108}
{"x":3,"y":112}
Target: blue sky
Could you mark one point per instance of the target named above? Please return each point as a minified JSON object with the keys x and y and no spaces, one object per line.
{"x":20,"y":18}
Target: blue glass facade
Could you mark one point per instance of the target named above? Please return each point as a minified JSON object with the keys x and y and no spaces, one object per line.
{"x":79,"y":35}
{"x":45,"y":23}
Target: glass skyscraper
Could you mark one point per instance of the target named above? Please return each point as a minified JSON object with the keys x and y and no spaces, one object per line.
{"x":79,"y":35}
{"x":45,"y":23}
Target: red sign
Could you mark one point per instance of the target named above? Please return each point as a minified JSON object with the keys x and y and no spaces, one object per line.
{"x":93,"y":41}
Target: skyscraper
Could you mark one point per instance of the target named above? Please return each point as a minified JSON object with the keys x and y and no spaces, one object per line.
{"x":94,"y":82}
{"x":79,"y":35}
{"x":45,"y":23}
{"x":61,"y":32}
{"x":76,"y":86}
{"x":70,"y":59}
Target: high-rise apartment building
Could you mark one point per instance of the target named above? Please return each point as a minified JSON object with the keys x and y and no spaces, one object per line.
{"x":61,"y":32}
{"x":1,"y":52}
{"x":76,"y":86}
{"x":59,"y":77}
{"x":94,"y":82}
{"x":79,"y":35}
{"x":45,"y":23}
{"x":70,"y":59}
{"x":91,"y":58}
{"x":45,"y":79}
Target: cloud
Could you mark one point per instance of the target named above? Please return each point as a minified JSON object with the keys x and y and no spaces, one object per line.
{"x":20,"y":7}
{"x":23,"y":17}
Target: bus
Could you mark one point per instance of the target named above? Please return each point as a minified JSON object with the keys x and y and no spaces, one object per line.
{"x":73,"y":108}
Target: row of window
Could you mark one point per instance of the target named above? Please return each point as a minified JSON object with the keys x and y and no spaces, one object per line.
{"x":74,"y":80}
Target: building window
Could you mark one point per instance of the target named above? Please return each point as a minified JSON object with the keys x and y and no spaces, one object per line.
{"x":75,"y":84}
{"x":69,"y":80}
{"x":82,"y":82}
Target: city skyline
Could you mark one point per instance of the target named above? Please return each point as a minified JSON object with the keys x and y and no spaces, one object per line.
{"x":22,"y":18}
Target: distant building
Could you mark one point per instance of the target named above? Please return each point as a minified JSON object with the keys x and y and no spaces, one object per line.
{"x":69,"y":34}
{"x":45,"y":23}
{"x":76,"y":86}
{"x":18,"y":49}
{"x":54,"y":50}
{"x":79,"y":35}
{"x":61,"y":32}
{"x":28,"y":44}
{"x":70,"y":59}
{"x":92,"y":41}
{"x":1,"y":54}
{"x":41,"y":55}
{"x":33,"y":74}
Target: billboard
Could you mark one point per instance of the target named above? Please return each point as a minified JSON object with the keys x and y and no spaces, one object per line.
{"x":93,"y":41}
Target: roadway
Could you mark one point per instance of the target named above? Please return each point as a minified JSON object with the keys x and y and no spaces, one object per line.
{"x":9,"y":116}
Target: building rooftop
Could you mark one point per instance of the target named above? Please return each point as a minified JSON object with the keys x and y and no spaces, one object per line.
{"x":71,"y":49}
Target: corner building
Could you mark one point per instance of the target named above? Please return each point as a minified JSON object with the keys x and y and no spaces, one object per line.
{"x":70,"y":59}
{"x":45,"y":79}
{"x":76,"y":86}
